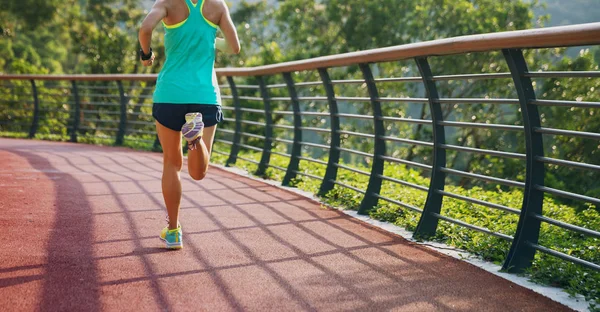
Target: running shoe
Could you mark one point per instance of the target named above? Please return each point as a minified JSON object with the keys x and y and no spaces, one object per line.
{"x":192,"y":129}
{"x":172,"y":238}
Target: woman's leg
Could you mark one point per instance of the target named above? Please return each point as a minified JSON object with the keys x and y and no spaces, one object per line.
{"x":170,"y":141}
{"x":199,"y":158}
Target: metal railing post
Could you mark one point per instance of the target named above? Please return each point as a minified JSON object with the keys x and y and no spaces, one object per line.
{"x":123,"y":119}
{"x":294,"y":163}
{"x":237,"y":136}
{"x":521,"y":252}
{"x":156,"y":144}
{"x":370,"y":199}
{"x":428,"y":222}
{"x":266,"y":154}
{"x":36,"y":110}
{"x":334,"y":152}
{"x":76,"y":112}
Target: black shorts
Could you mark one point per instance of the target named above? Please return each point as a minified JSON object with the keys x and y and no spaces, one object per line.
{"x":172,"y":116}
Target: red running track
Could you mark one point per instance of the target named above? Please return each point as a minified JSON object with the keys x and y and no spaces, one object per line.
{"x":79,"y":232}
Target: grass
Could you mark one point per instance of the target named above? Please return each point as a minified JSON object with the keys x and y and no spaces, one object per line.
{"x":129,"y":141}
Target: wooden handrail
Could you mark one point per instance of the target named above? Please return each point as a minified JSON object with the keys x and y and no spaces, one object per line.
{"x":561,"y":36}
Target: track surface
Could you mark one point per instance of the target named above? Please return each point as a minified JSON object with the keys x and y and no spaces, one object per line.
{"x":79,"y":232}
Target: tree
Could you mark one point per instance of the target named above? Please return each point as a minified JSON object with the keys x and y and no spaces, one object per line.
{"x":87,"y":37}
{"x":303,"y":29}
{"x":576,"y":119}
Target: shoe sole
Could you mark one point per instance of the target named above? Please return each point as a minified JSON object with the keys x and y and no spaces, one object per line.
{"x":198,"y":135}
{"x":190,"y":130}
{"x":172,"y":245}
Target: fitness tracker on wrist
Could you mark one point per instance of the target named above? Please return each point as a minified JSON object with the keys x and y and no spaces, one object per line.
{"x":144,"y":56}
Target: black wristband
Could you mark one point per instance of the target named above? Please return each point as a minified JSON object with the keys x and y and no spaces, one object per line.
{"x":144,"y":56}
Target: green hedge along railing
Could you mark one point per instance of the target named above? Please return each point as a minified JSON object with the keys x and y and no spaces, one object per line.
{"x":117,"y":108}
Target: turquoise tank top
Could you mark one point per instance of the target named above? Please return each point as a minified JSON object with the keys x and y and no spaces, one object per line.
{"x":188,"y":75}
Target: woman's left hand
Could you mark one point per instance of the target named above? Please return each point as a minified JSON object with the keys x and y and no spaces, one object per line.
{"x":150,"y":61}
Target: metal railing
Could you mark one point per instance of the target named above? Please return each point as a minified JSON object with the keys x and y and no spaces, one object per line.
{"x":87,"y":105}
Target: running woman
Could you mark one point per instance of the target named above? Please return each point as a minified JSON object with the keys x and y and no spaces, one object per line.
{"x":187,"y":97}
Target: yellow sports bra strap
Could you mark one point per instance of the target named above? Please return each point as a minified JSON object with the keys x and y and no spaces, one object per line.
{"x":206,"y":19}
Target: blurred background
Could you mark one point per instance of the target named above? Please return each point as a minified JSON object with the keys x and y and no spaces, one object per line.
{"x":100,"y":36}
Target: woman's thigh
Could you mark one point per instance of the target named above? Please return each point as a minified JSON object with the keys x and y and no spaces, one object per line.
{"x":170,"y":141}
